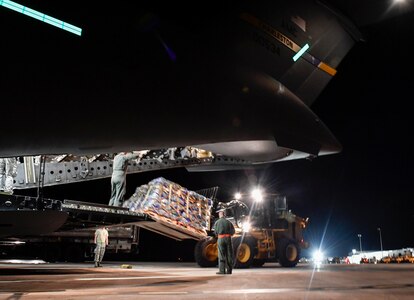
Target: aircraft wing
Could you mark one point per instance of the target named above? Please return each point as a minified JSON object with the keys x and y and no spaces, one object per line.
{"x":218,"y":75}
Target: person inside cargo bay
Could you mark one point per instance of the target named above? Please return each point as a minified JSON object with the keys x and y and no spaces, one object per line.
{"x":8,"y":171}
{"x":118,"y":179}
{"x":224,"y":230}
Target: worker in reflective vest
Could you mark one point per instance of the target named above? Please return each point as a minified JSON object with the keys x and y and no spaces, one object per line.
{"x":224,"y":230}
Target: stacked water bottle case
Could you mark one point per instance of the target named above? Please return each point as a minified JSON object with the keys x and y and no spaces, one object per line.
{"x":170,"y":202}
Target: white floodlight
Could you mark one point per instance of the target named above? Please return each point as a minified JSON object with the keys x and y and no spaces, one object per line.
{"x":246,"y":226}
{"x":257,"y":195}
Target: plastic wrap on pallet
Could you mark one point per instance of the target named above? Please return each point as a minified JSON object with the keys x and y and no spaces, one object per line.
{"x":170,"y":202}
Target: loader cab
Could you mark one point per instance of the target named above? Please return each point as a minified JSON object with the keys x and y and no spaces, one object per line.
{"x":269,"y":213}
{"x":236,"y":212}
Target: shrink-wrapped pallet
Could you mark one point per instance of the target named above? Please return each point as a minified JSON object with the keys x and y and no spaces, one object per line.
{"x":170,"y":202}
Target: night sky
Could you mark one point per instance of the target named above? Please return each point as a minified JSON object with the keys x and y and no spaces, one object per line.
{"x":367,"y":106}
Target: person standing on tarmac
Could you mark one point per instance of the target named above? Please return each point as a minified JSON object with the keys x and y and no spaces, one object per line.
{"x":224,"y":230}
{"x":101,"y":241}
{"x":118,"y":179}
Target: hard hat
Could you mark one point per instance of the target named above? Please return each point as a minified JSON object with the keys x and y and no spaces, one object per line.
{"x":220,"y":209}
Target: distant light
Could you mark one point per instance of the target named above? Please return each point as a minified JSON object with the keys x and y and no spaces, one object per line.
{"x":318,"y":256}
{"x":300,"y":52}
{"x":40,"y":16}
{"x":237,"y":196}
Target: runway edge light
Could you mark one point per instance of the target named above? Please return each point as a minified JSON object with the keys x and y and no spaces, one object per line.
{"x":40,"y":16}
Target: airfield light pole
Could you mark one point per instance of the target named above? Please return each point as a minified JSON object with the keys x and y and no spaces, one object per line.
{"x":379,"y":230}
{"x":360,"y":243}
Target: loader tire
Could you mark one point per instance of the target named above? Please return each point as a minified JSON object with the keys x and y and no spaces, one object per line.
{"x":288,"y":252}
{"x":206,"y":253}
{"x":244,"y":251}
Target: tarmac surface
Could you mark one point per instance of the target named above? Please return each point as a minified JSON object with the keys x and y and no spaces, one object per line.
{"x":149,"y":280}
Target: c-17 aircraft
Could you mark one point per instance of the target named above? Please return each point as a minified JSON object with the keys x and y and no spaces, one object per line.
{"x":236,"y":78}
{"x":219,"y":75}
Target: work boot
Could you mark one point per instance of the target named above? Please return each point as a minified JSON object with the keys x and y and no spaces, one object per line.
{"x":229,"y":271}
{"x":220,"y":273}
{"x":96,"y":264}
{"x":99,"y":265}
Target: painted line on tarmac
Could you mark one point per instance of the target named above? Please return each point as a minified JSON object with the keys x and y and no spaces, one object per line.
{"x":252,"y":291}
{"x":105,"y":278}
{"x":163,"y":293}
{"x":140,"y":277}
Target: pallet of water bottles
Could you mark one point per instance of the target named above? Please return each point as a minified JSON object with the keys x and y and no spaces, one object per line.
{"x":172,"y":204}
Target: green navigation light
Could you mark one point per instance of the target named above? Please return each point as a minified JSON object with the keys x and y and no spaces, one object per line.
{"x":300,"y":52}
{"x":40,"y":16}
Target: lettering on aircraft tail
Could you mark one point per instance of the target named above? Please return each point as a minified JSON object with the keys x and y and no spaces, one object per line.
{"x":274,"y":33}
